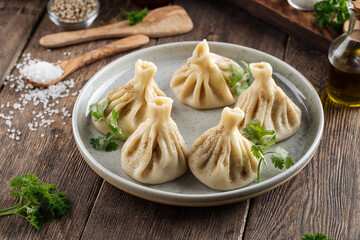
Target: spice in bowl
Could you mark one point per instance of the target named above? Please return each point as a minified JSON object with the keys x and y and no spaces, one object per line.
{"x":73,"y":14}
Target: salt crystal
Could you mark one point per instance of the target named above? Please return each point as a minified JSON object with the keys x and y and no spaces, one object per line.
{"x":44,"y":98}
{"x":42,"y":71}
{"x":8,"y":123}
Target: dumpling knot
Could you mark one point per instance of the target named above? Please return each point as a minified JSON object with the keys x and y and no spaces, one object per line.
{"x":160,"y":108}
{"x":231,"y":118}
{"x":145,"y":71}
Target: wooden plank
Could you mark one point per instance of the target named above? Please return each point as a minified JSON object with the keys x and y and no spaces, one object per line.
{"x":296,"y":23}
{"x":54,"y":159}
{"x":323,"y":197}
{"x":17,"y":20}
{"x":119,"y":215}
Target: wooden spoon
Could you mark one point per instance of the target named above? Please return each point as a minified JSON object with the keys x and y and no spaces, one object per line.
{"x":161,"y":22}
{"x":71,"y":65}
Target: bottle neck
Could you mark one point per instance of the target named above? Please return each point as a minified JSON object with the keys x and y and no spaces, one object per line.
{"x":354,"y":28}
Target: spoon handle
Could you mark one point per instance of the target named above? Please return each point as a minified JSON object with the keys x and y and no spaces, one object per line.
{"x":115,"y":30}
{"x":121,"y":45}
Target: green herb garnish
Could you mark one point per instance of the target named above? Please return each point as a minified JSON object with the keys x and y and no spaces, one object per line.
{"x":109,"y":142}
{"x":36,"y":199}
{"x":318,"y":236}
{"x":135,"y":17}
{"x":241,"y":78}
{"x":331,"y":14}
{"x":264,"y":140}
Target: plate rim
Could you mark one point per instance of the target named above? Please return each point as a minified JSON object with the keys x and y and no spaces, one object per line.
{"x":195,"y":199}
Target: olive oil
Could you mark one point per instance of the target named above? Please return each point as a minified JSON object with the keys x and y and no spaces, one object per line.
{"x":344,"y":77}
{"x":344,"y":63}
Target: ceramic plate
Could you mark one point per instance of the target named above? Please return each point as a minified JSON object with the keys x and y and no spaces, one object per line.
{"x":187,"y":190}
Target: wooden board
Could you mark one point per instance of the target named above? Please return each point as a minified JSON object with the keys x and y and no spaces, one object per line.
{"x":323,"y":197}
{"x":17,"y":21}
{"x":296,"y":23}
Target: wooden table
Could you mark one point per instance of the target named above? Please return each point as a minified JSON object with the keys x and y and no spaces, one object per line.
{"x":323,"y":197}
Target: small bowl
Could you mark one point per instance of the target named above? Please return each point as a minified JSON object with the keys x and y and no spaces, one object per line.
{"x":67,"y":24}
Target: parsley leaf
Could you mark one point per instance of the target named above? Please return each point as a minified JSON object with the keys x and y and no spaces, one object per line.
{"x":107,"y":143}
{"x":97,"y":111}
{"x":135,"y":17}
{"x":288,"y":162}
{"x":264,"y":140}
{"x":238,"y":74}
{"x":241,"y":78}
{"x":35,"y":198}
{"x":254,"y":132}
{"x":278,"y":158}
{"x":331,"y":14}
{"x":318,"y":236}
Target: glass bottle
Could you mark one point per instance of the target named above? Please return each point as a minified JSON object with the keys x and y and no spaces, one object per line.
{"x":344,"y":57}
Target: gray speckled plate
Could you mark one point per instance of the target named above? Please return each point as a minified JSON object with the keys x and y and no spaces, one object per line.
{"x":187,"y":190}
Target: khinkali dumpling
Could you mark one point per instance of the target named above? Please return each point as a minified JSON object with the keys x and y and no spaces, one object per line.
{"x":156,"y":152}
{"x":266,"y":102}
{"x":132,"y":99}
{"x":221,"y":158}
{"x":202,"y":82}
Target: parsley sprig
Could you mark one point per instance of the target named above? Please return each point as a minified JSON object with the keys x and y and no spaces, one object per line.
{"x":109,"y":142}
{"x":135,"y":17}
{"x":264,"y":140}
{"x":36,"y":199}
{"x":318,"y":236}
{"x":241,"y":78}
{"x":331,"y":14}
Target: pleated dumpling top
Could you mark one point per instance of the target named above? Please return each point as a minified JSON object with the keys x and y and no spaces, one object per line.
{"x":132,"y":99}
{"x":156,"y":152}
{"x":221,"y":158}
{"x":202,"y":82}
{"x":266,"y":102}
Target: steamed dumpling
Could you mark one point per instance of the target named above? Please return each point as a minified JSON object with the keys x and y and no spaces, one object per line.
{"x":202,"y":82}
{"x":132,"y":99}
{"x":156,"y":152}
{"x":221,"y":158}
{"x":266,"y":102}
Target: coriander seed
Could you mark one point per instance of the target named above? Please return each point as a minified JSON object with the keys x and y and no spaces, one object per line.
{"x":71,"y":11}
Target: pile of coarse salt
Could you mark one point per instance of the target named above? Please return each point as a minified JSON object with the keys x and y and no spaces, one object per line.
{"x":44,"y":99}
{"x":40,"y":71}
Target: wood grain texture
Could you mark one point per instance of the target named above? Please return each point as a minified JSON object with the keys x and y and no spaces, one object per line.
{"x":160,"y":22}
{"x":24,"y":15}
{"x":298,"y":24}
{"x":73,"y":64}
{"x":119,"y":215}
{"x":323,"y":196}
{"x":53,"y":159}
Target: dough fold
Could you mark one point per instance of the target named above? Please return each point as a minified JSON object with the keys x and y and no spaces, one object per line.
{"x":221,"y":158}
{"x":156,"y":152}
{"x":266,"y":102}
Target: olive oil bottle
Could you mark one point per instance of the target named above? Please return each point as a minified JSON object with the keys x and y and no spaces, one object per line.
{"x":344,"y":64}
